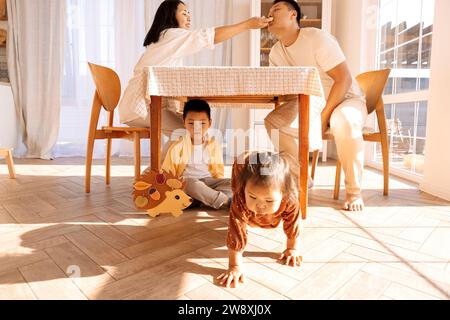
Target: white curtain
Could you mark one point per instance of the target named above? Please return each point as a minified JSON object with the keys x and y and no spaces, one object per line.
{"x":111,"y":33}
{"x":89,"y":37}
{"x":35,"y":51}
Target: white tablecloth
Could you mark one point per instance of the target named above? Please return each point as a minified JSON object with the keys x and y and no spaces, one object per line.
{"x":235,"y":81}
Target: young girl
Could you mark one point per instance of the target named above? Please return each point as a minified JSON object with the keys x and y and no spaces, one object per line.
{"x":264,"y":194}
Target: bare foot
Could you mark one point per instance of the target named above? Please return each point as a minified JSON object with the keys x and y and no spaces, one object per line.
{"x":354,"y":203}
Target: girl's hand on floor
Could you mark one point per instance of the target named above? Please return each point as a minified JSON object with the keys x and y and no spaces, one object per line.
{"x":293,"y":258}
{"x":232,"y":277}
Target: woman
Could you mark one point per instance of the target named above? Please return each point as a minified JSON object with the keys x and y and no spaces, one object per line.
{"x":167,"y":43}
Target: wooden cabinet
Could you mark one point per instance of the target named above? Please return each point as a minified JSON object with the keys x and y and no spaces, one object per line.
{"x":3,"y":12}
{"x":3,"y":38}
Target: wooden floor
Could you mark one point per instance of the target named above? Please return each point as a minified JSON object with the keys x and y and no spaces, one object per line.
{"x":58,"y":243}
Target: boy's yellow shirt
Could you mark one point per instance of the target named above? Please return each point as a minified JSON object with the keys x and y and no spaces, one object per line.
{"x":180,"y":153}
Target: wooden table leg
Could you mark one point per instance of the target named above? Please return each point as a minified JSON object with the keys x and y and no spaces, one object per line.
{"x":155,"y":135}
{"x":303,"y":156}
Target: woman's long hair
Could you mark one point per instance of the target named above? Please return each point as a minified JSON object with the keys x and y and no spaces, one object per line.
{"x":165,"y":18}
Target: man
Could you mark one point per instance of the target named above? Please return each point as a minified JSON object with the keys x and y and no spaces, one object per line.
{"x":345,"y":111}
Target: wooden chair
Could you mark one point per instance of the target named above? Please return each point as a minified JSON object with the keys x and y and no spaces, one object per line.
{"x":107,"y":95}
{"x":7,"y":154}
{"x":372,"y":83}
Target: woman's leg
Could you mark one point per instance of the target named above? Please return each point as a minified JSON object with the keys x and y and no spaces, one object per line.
{"x":172,"y":124}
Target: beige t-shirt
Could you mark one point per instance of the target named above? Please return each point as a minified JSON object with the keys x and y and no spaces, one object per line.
{"x":174,"y":45}
{"x":314,"y":48}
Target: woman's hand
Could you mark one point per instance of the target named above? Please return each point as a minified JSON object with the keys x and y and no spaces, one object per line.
{"x":258,"y":22}
{"x":227,"y":32}
{"x":293,"y":258}
{"x":232,"y":277}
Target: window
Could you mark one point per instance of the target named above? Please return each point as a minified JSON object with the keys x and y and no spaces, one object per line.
{"x":405,"y":33}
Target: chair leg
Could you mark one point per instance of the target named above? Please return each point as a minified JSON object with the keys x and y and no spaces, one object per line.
{"x":137,"y":156}
{"x":10,"y":163}
{"x":108,"y":161}
{"x":315,"y":159}
{"x":337,"y":182}
{"x":384,"y":145}
{"x":89,"y":155}
{"x":385,"y":153}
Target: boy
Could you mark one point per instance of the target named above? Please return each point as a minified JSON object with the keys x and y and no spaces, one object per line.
{"x":198,"y":158}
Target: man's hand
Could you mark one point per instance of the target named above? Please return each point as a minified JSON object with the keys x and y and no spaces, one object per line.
{"x":232,"y":277}
{"x":325,"y":123}
{"x":293,"y":258}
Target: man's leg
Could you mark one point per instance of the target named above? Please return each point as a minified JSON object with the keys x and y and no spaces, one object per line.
{"x":200,"y":191}
{"x":347,"y":122}
{"x":284,"y":138}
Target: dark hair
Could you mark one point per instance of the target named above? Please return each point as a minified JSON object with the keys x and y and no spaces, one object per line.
{"x":269,"y":169}
{"x":196,"y":105}
{"x":293,"y":5}
{"x":165,"y":18}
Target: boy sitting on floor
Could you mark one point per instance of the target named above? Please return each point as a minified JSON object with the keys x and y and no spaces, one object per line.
{"x":198,"y":158}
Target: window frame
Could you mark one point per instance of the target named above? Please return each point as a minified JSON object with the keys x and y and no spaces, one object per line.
{"x":415,"y":97}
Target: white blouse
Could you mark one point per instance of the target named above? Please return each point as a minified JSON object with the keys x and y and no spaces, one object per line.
{"x":174,"y":45}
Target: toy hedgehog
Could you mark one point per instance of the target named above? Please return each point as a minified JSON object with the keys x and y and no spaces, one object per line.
{"x":160,"y":192}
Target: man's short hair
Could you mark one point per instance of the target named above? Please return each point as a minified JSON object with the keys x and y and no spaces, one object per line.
{"x":293,"y":5}
{"x":196,"y":105}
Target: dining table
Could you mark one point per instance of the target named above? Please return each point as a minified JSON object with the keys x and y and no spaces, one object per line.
{"x":242,"y":87}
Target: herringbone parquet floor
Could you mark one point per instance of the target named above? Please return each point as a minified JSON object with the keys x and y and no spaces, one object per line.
{"x":56,"y":242}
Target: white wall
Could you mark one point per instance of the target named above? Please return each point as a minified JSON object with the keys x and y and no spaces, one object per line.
{"x":348,"y":31}
{"x":357,"y":36}
{"x":241,"y":57}
{"x":437,"y":154}
{"x":8,"y":122}
{"x":241,"y":43}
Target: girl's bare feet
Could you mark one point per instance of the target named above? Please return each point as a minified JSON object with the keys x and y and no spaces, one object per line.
{"x":354,"y":203}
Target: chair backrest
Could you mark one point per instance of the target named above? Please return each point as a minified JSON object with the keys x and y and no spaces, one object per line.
{"x":372,"y":83}
{"x":107,"y":84}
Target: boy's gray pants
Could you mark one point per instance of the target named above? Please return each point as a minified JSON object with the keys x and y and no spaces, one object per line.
{"x":212,"y":192}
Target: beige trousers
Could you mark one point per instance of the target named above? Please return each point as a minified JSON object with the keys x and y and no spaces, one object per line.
{"x":347,"y":122}
{"x":172,"y":124}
